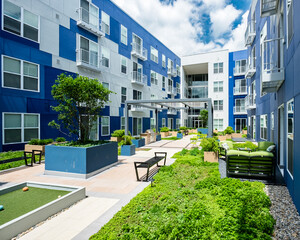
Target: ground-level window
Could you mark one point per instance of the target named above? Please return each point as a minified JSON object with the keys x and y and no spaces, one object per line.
{"x":264,"y":127}
{"x":137,"y":126}
{"x":105,"y":126}
{"x":170,"y":123}
{"x":152,"y":123}
{"x":290,"y":137}
{"x":218,"y":124}
{"x":177,"y":123}
{"x":20,"y":127}
{"x":163,"y":122}
{"x":240,"y":123}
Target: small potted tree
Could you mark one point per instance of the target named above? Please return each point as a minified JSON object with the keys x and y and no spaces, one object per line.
{"x":127,"y":148}
{"x":117,"y":136}
{"x":228,"y":131}
{"x":244,"y":130}
{"x":165,"y":132}
{"x":210,"y":148}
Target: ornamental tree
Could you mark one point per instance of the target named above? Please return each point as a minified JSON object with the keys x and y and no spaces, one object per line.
{"x":203,"y":117}
{"x":80,"y":101}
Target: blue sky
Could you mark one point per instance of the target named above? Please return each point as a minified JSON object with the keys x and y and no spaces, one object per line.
{"x":192,"y":26}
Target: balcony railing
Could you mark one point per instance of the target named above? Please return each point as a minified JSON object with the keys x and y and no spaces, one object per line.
{"x":273,"y":69}
{"x":239,"y":70}
{"x":138,"y":78}
{"x":250,"y":33}
{"x":172,"y":72}
{"x":89,"y":22}
{"x":250,"y":68}
{"x":240,"y":90}
{"x":139,"y":51}
{"x":250,"y":101}
{"x":239,"y":110}
{"x":268,"y":7}
{"x":172,"y":112}
{"x":172,"y":90}
{"x":137,"y":108}
{"x":88,"y":59}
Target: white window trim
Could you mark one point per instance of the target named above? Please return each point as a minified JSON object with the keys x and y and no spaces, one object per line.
{"x":121,"y":58}
{"x":22,"y":23}
{"x":108,"y":24}
{"x":163,"y":122}
{"x":287,"y":137}
{"x":108,"y":57}
{"x":218,"y":82}
{"x":163,"y":62}
{"x":21,"y":74}
{"x":125,"y":43}
{"x":22,"y":126}
{"x":121,"y":123}
{"x":141,"y":125}
{"x":155,"y":78}
{"x":105,"y":126}
{"x":260,"y":127}
{"x":123,"y":94}
{"x":152,"y":54}
{"x":217,"y":106}
{"x":218,"y":68}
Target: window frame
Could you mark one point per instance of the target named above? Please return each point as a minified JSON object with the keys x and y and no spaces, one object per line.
{"x":218,"y":106}
{"x":22,"y":126}
{"x":122,"y":95}
{"x":264,"y":121}
{"x":105,"y":126}
{"x":163,"y":122}
{"x":123,"y":36}
{"x":163,"y":61}
{"x":155,"y":78}
{"x":163,"y":82}
{"x":21,"y":74}
{"x":218,"y":87}
{"x":217,"y":67}
{"x":102,"y":47}
{"x":121,"y":124}
{"x":154,"y":54}
{"x":103,"y":22}
{"x":121,"y":61}
{"x":288,"y":111}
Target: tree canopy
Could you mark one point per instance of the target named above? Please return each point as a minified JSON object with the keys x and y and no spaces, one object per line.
{"x":203,"y":117}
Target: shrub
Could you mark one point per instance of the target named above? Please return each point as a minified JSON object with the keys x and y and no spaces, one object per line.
{"x":40,"y":141}
{"x":238,"y":131}
{"x":126,"y":141}
{"x":48,"y":141}
{"x":229,"y":130}
{"x":195,"y":151}
{"x":118,"y":133}
{"x":183,"y":128}
{"x":209,"y":145}
{"x":247,"y":144}
{"x":184,"y":152}
{"x":164,"y":129}
{"x":34,"y":142}
{"x":60,"y":139}
{"x":245,"y":128}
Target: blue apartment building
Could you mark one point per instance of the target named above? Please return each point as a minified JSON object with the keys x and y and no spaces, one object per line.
{"x":93,"y":38}
{"x":273,"y":71}
{"x":237,"y":90}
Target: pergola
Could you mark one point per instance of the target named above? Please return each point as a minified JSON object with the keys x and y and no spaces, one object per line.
{"x":172,"y":104}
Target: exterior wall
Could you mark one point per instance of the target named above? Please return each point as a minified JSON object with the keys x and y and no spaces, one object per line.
{"x":56,"y":53}
{"x":289,"y":90}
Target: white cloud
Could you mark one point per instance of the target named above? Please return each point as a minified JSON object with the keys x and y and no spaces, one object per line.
{"x":178,"y":25}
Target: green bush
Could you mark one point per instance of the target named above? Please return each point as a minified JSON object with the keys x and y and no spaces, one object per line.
{"x":238,"y":131}
{"x":34,"y":142}
{"x":40,"y":141}
{"x":229,"y":130}
{"x":245,"y":128}
{"x":118,"y":133}
{"x":247,"y":144}
{"x":195,"y":151}
{"x":183,"y":128}
{"x":164,"y":129}
{"x":127,"y":140}
{"x":209,"y":145}
{"x":60,"y":139}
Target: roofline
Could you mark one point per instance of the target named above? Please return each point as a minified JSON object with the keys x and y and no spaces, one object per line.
{"x":215,"y":51}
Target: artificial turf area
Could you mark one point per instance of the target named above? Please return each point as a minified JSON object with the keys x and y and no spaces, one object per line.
{"x":17,"y":203}
{"x":189,"y":201}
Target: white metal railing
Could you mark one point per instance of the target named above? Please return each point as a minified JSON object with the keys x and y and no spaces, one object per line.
{"x":239,"y":70}
{"x":172,"y":72}
{"x":88,"y":58}
{"x":89,"y":21}
{"x":137,"y":77}
{"x":250,"y":101}
{"x":239,"y":109}
{"x":268,"y":7}
{"x":250,"y":33}
{"x":250,"y":68}
{"x":240,"y":90}
{"x":172,"y":112}
{"x":137,"y":108}
{"x":139,"y":51}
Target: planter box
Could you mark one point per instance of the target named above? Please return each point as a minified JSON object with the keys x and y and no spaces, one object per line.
{"x":216,"y":131}
{"x":211,"y":157}
{"x":116,"y":139}
{"x":236,"y":135}
{"x":228,"y":136}
{"x":165,"y":134}
{"x":138,"y":142}
{"x":222,"y":138}
{"x":30,"y":148}
{"x":174,"y":134}
{"x":244,"y":132}
{"x":179,"y":135}
{"x":203,"y":130}
{"x":128,"y":150}
{"x":158,"y":137}
{"x":78,"y":161}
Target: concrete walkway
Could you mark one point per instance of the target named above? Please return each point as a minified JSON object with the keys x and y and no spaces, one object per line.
{"x":107,"y":193}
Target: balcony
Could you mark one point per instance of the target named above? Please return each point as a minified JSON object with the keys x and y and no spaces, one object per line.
{"x":172,"y":112}
{"x":138,"y":78}
{"x":239,"y":110}
{"x":250,"y":33}
{"x":250,"y":101}
{"x":89,"y":22}
{"x":273,"y":69}
{"x":239,"y":70}
{"x":137,"y":108}
{"x":268,"y":7}
{"x":250,"y":69}
{"x":172,"y":90}
{"x":88,"y":59}
{"x":139,"y":51}
{"x":240,"y":90}
{"x":172,"y":72}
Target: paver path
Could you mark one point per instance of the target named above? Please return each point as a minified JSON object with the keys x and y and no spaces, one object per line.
{"x":107,"y":192}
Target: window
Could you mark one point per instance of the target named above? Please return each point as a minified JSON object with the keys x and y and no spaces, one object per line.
{"x":163,"y":61}
{"x":20,"y":21}
{"x":20,"y":127}
{"x":106,"y":85}
{"x":290,"y":137}
{"x":154,"y":54}
{"x":154,"y":78}
{"x":88,"y":52}
{"x":123,"y":94}
{"x":240,"y":86}
{"x":218,"y":86}
{"x":137,"y":126}
{"x":20,"y":74}
{"x":178,"y":88}
{"x":218,"y":105}
{"x":272,"y":126}
{"x":123,"y":123}
{"x":105,"y":57}
{"x":137,"y":95}
{"x":170,"y":65}
{"x":240,"y":67}
{"x":123,"y":65}
{"x":218,"y":124}
{"x":218,"y":67}
{"x":105,"y":23}
{"x":152,"y":123}
{"x":163,"y":82}
{"x":240,"y":105}
{"x":264,"y":127}
{"x":177,"y":123}
{"x":89,"y":13}
{"x":178,"y":70}
{"x":105,"y":129}
{"x":163,"y":122}
{"x":123,"y":35}
{"x":290,"y":27}
{"x":240,"y":123}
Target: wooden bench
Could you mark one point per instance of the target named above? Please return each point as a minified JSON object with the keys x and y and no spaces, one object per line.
{"x":27,"y":155}
{"x":149,"y":163}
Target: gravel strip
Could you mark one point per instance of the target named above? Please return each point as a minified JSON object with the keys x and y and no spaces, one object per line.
{"x":284,"y":212}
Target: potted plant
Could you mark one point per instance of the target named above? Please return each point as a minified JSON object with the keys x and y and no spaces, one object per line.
{"x":127,"y":148}
{"x":210,"y":148}
{"x":228,"y":131}
{"x":173,"y":132}
{"x":165,"y":132}
{"x":184,"y":130}
{"x":117,"y":135}
{"x":179,"y":134}
{"x":37,"y":144}
{"x":138,"y":142}
{"x":222,"y":136}
{"x":79,"y":102}
{"x":244,"y":130}
{"x":216,"y":130}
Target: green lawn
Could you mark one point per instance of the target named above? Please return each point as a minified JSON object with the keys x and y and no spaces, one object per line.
{"x":16,"y":154}
{"x":17,"y":203}
{"x":190,"y":201}
{"x":171,"y":138}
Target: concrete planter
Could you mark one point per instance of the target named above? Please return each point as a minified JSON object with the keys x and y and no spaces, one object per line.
{"x":211,"y":157}
{"x":26,"y":221}
{"x":78,"y":161}
{"x":244,"y":132}
{"x":174,"y":133}
{"x":203,"y":130}
{"x":138,"y":142}
{"x":228,"y":136}
{"x":165,"y":134}
{"x":128,"y":150}
{"x":116,"y":139}
{"x":30,"y":148}
{"x":222,"y":138}
{"x":158,"y":137}
{"x":216,"y":131}
{"x":236,"y":135}
{"x":179,"y":135}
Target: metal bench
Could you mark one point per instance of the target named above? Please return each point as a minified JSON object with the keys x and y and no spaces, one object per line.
{"x":149,"y":163}
{"x":27,"y":155}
